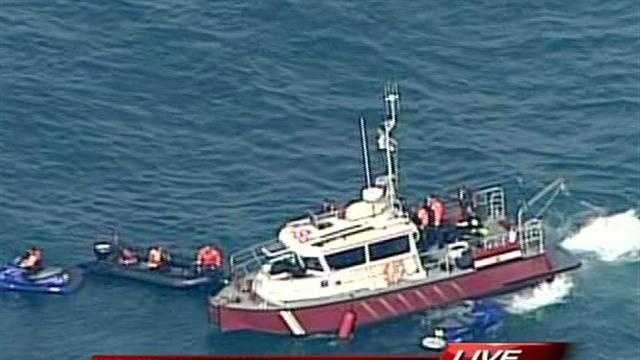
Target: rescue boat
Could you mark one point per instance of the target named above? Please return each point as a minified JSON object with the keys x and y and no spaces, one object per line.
{"x":179,"y":271}
{"x":371,"y":260}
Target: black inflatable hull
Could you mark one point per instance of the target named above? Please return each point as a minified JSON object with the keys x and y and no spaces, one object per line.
{"x":175,"y":277}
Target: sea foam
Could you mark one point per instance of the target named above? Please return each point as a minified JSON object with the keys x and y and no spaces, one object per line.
{"x":544,"y":294}
{"x":609,"y":238}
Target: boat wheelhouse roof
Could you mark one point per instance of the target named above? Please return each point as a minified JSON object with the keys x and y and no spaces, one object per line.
{"x":359,"y":224}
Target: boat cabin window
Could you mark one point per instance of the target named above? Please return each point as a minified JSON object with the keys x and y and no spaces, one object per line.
{"x":388,"y":248}
{"x":345,"y":259}
{"x":312,"y":263}
{"x":286,"y":264}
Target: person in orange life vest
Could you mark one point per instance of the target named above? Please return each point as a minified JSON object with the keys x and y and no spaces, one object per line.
{"x":128,"y":256}
{"x":158,"y":258}
{"x":209,"y":258}
{"x":32,"y":260}
{"x":436,"y":233}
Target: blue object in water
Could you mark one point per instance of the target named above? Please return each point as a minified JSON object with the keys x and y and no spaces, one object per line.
{"x":52,"y":280}
{"x":482,"y":317}
{"x":487,"y":315}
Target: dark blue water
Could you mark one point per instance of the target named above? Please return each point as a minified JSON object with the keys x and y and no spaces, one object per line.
{"x":196,"y":121}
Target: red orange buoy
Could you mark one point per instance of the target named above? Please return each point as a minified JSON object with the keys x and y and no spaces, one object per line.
{"x":347,"y":325}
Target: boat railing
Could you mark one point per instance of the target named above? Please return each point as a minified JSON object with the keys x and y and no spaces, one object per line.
{"x":492,"y":201}
{"x":494,"y":241}
{"x":251,"y":258}
{"x":531,"y":236}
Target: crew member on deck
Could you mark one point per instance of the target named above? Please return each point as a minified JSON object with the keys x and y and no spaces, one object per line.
{"x":425,"y":215}
{"x":436,"y":233}
{"x":32,"y":260}
{"x":468,"y":216}
{"x":439,"y":211}
{"x":209,"y":258}
{"x":423,"y":220}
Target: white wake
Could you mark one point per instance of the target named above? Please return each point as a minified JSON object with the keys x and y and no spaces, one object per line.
{"x":544,"y":294}
{"x":610,"y":238}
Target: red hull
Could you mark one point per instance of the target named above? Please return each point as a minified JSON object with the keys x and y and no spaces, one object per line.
{"x":326,"y":318}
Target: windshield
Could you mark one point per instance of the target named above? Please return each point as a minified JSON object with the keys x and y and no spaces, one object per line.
{"x":283,"y":264}
{"x":312,"y":263}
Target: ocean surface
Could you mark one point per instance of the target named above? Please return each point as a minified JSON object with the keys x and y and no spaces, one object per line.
{"x":190,"y":122}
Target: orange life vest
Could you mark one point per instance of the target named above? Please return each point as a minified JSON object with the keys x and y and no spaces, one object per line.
{"x":209,"y":257}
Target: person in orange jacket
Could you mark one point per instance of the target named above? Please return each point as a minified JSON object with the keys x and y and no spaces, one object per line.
{"x":439,"y":211}
{"x":435,"y":233}
{"x":209,"y":258}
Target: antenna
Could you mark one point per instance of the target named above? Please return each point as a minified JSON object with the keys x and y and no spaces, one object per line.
{"x":391,"y":100}
{"x":365,"y":152}
{"x":392,"y":104}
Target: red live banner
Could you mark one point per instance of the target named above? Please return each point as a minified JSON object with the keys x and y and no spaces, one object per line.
{"x":505,"y":351}
{"x":460,"y":351}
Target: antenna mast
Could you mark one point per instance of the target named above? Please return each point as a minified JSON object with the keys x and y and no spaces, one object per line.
{"x":385,"y":140}
{"x":365,"y":152}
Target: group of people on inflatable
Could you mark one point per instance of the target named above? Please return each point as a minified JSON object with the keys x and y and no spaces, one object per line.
{"x":208,"y":258}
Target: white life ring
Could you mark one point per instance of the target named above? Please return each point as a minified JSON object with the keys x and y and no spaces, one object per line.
{"x":302,"y":235}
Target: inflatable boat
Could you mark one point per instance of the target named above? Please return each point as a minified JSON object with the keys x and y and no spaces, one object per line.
{"x":51,"y":279}
{"x":178,"y":272}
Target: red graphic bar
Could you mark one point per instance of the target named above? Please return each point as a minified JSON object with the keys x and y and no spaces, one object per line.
{"x":460,"y":351}
{"x":262,"y":357}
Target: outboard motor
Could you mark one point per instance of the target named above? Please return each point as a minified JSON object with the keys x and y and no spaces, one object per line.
{"x":102,"y":250}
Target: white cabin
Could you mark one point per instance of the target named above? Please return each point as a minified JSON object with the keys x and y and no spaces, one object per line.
{"x":367,"y":245}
